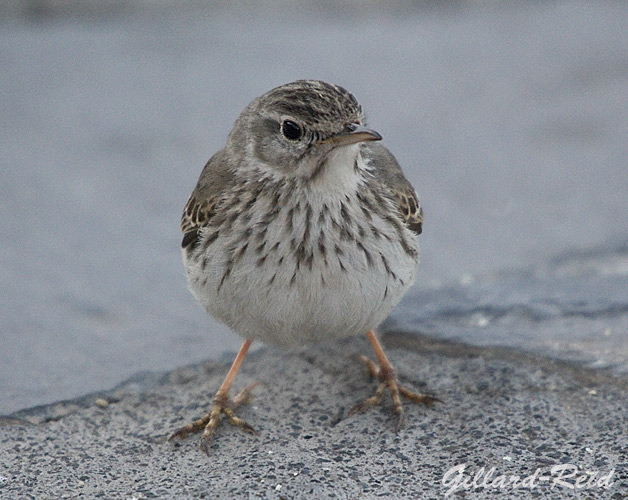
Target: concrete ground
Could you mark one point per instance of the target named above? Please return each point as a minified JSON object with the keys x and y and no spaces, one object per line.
{"x":550,"y":419}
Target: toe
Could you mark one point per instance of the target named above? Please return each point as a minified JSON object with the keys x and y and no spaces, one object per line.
{"x":400,"y":418}
{"x":205,"y":444}
{"x":237,"y":421}
{"x":419,"y":398}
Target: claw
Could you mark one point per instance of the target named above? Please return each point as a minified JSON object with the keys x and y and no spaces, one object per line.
{"x":419,"y":398}
{"x":400,"y":419}
{"x":237,"y":421}
{"x":374,"y":400}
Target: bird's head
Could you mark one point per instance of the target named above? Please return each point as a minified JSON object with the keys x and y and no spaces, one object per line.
{"x":298,"y":129}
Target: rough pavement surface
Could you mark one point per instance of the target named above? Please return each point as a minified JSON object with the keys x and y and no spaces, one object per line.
{"x":516,"y":410}
{"x":505,"y":410}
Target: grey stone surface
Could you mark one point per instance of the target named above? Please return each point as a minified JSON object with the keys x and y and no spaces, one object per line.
{"x":573,"y":308}
{"x":514,"y":409}
{"x":513,"y":413}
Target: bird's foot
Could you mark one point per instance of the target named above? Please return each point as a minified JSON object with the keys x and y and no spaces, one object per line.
{"x":209,"y":423}
{"x":388,"y":379}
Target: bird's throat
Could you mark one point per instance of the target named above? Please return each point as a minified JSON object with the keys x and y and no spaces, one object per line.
{"x":339,"y":171}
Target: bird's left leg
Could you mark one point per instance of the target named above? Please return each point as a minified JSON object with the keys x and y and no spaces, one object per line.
{"x":388,"y":379}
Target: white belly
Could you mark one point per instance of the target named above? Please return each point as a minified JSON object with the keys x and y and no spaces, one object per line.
{"x":337,"y":280}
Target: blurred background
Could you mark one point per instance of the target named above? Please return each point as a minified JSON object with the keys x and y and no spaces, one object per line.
{"x":509,"y":117}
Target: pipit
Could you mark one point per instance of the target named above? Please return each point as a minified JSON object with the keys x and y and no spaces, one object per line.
{"x":302,"y":229}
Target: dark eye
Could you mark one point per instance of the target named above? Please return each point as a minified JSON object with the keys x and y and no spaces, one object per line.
{"x":291,"y":130}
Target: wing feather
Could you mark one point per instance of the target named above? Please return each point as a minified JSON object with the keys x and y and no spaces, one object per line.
{"x":205,"y":200}
{"x":386,"y":169}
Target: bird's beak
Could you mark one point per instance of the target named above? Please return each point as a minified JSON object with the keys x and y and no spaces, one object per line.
{"x":352,"y":134}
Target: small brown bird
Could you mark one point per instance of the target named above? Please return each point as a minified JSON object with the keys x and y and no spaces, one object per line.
{"x":302,"y":229}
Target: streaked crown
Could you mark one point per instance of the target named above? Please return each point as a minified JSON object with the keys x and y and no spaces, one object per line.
{"x":319,"y":104}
